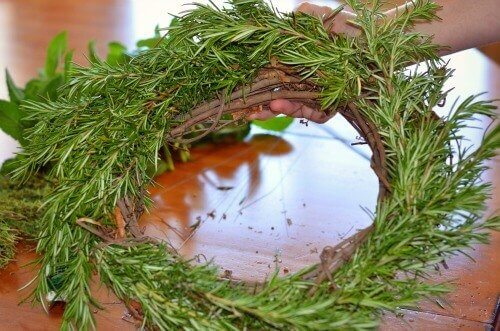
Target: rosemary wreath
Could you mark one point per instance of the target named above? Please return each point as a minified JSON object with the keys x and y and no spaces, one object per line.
{"x":212,"y":68}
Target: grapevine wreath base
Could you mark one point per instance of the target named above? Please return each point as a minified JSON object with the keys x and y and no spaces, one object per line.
{"x":271,"y":83}
{"x":213,"y":68}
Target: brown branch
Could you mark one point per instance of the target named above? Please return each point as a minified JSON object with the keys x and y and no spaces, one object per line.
{"x":266,"y":80}
{"x":369,"y":132}
{"x":120,"y":223}
{"x":263,"y":91}
{"x":274,"y":82}
{"x":207,"y":131}
{"x":242,"y":104}
{"x":84,"y":223}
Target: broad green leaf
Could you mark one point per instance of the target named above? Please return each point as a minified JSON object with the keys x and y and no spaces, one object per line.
{"x":9,"y":165}
{"x":231,"y":133}
{"x":154,"y":41}
{"x":157,"y":169}
{"x":38,"y":89}
{"x":162,"y":167}
{"x":275,"y":123}
{"x":10,"y":119}
{"x":11,"y":110}
{"x":32,"y":89}
{"x":51,"y":87}
{"x":67,"y":64}
{"x":116,"y":53}
{"x":148,"y":43}
{"x":15,"y":93}
{"x":55,"y":53}
{"x":93,"y":57}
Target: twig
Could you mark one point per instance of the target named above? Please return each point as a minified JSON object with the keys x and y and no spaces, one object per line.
{"x":241,"y":104}
{"x":107,"y":240}
{"x":332,"y":258}
{"x":277,"y":82}
{"x":120,"y":223}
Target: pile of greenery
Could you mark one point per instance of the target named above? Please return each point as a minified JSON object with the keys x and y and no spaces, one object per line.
{"x":22,"y":203}
{"x":98,"y":140}
{"x":20,"y":206}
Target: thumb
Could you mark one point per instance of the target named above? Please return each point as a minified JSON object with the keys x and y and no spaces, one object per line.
{"x":313,"y":10}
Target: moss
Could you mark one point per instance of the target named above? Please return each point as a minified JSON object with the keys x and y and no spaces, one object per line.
{"x":20,"y":207}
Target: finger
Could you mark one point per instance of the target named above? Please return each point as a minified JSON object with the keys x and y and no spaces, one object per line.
{"x":297,"y":110}
{"x":313,"y":10}
{"x":303,"y":111}
{"x":338,"y":24}
{"x":261,"y":115}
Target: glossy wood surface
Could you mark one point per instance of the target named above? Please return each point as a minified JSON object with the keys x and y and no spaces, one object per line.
{"x":270,"y":201}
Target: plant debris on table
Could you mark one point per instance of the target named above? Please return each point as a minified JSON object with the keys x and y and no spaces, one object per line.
{"x":99,"y":140}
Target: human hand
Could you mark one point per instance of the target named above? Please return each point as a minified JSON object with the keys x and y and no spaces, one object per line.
{"x":337,"y":24}
{"x":291,"y":109}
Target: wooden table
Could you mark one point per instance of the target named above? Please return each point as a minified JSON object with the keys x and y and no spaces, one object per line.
{"x":270,"y":200}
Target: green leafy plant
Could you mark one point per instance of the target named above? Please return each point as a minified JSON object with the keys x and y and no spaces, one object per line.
{"x":214,"y":67}
{"x":47,"y":87}
{"x":274,"y":124}
{"x":20,"y":206}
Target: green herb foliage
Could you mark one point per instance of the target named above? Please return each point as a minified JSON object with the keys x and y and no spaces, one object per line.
{"x":45,"y":88}
{"x":109,"y":125}
{"x":20,"y":206}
